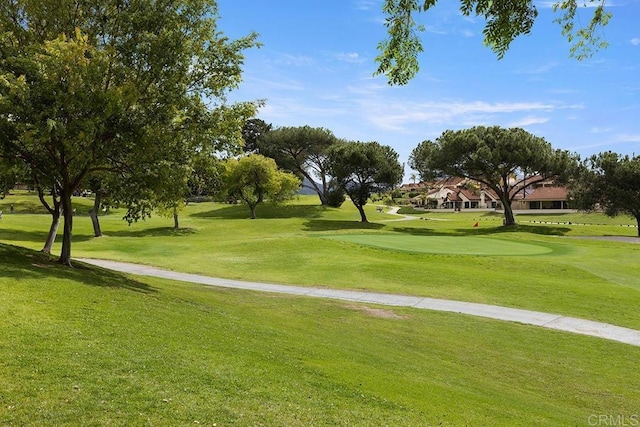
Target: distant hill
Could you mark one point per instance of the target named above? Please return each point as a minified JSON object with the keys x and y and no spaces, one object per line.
{"x":306,"y":188}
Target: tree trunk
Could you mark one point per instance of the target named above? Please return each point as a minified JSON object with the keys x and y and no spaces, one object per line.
{"x":55,"y":212}
{"x":93,"y":213}
{"x":53,"y":230}
{"x":176,"y":225}
{"x":509,"y":219}
{"x":322,"y":192}
{"x":363,"y":216}
{"x":323,"y":198}
{"x":638,"y":223}
{"x":253,"y":211}
{"x":67,"y":212}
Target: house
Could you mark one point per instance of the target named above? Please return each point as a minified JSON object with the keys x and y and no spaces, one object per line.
{"x":456,"y":193}
{"x":543,"y":197}
{"x":463,"y":193}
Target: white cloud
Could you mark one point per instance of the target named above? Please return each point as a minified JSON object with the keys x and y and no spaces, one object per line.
{"x":528,"y":121}
{"x":397,"y":115}
{"x":545,"y":4}
{"x":600,"y":130}
{"x":541,"y":69}
{"x":635,"y":41}
{"x":296,"y":112}
{"x":366,"y":4}
{"x":627,"y":137}
{"x":351,"y":58}
{"x":278,"y":85}
{"x":294,"y":60}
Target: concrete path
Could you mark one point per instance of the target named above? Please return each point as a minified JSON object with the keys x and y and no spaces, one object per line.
{"x":394,"y":211}
{"x":545,"y":320}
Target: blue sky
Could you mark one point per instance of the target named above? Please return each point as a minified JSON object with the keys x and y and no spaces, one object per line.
{"x":317,"y":62}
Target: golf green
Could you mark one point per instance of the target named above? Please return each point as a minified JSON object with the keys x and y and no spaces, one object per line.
{"x":475,"y":245}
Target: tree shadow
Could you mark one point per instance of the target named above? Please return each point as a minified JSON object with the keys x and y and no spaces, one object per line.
{"x":153,"y":232}
{"x":333,"y":225}
{"x":479,"y":231}
{"x":40,"y":236}
{"x":19,"y":263}
{"x":23,"y":236}
{"x":264,"y":211}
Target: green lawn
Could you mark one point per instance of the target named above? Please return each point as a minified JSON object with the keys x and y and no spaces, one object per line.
{"x":584,"y":278}
{"x":85,"y":346}
{"x":448,"y":245}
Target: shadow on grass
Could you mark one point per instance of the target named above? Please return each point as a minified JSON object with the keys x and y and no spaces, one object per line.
{"x":19,"y":263}
{"x":40,"y":236}
{"x":542,"y":230}
{"x":23,"y":236}
{"x":152,"y":232}
{"x":30,"y":207}
{"x":329,"y":225}
{"x":264,"y":211}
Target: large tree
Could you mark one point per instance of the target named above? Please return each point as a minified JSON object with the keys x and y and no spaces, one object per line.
{"x":364,"y":168}
{"x":505,"y":21}
{"x":252,"y":132}
{"x":303,"y":151}
{"x":505,"y":160}
{"x":254,"y":179}
{"x":610,"y":182}
{"x":84,"y":85}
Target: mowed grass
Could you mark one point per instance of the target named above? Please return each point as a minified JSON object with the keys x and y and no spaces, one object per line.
{"x":86,"y":346}
{"x":591,"y":279}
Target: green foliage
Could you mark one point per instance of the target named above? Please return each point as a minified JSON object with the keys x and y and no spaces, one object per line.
{"x":585,"y":41}
{"x":420,"y":160}
{"x":255,"y":179}
{"x":364,"y":168}
{"x":505,"y":21}
{"x":10,"y":174}
{"x":252,"y":132}
{"x":335,"y":197}
{"x":610,"y":182}
{"x":206,"y":176}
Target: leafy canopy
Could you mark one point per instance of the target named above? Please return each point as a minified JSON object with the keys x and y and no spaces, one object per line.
{"x":364,"y":168}
{"x":505,"y":160}
{"x":505,"y":20}
{"x":611,"y":182}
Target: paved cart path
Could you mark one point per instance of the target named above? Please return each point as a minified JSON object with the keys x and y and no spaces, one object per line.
{"x":536,"y":318}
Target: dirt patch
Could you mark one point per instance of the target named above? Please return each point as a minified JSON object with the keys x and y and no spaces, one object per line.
{"x":376,"y":312}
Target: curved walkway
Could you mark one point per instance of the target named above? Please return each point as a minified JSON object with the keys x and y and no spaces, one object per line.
{"x":394,"y":211}
{"x":545,"y":320}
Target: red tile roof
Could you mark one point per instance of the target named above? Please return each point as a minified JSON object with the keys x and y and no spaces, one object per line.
{"x":547,"y":193}
{"x":451,"y":181}
{"x":469,"y":195}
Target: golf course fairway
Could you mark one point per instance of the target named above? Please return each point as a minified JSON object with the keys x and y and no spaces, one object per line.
{"x":453,"y":245}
